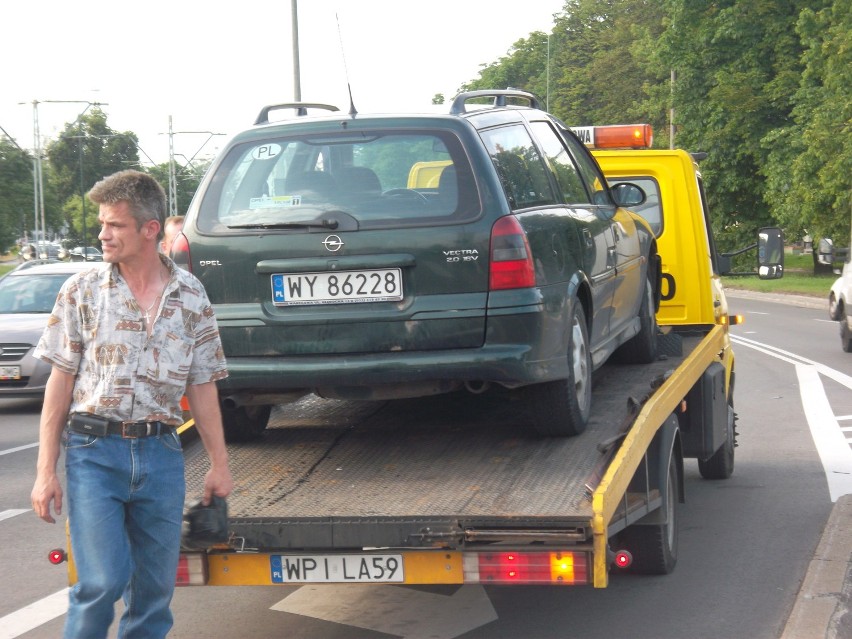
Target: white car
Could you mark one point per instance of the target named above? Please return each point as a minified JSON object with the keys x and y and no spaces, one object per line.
{"x":838,"y":302}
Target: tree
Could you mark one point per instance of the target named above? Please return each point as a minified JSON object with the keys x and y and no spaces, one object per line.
{"x":16,"y":193}
{"x":87,"y":150}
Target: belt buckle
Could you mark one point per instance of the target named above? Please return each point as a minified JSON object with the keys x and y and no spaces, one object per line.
{"x":124,"y":430}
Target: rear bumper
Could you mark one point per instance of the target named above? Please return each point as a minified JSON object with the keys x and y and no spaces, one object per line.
{"x":507,"y":364}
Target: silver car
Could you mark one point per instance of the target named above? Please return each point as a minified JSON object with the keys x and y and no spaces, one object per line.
{"x":27,"y":296}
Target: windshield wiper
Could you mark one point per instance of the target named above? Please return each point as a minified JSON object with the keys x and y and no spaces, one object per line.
{"x":297,"y":224}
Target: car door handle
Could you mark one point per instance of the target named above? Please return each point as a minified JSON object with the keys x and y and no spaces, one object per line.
{"x":587,"y":236}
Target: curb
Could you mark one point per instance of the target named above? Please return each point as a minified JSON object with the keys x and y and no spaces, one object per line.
{"x":805,"y":301}
{"x":823,"y":606}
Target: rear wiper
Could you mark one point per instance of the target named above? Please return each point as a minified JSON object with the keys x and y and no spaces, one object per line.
{"x":297,"y":224}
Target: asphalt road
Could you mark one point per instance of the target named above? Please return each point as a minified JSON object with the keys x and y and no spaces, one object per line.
{"x":745,"y":543}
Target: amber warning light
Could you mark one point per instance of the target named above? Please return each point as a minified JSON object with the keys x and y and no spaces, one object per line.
{"x":617,"y":136}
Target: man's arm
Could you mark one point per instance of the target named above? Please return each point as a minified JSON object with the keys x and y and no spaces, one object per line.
{"x":54,"y":413}
{"x":204,"y":405}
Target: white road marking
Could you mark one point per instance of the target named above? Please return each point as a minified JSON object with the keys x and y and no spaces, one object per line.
{"x":394,"y":610}
{"x":19,"y":448}
{"x":831,"y":442}
{"x":32,"y":616}
{"x":14,"y":512}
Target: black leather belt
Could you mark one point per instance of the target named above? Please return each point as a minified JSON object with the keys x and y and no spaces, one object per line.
{"x":94,"y":425}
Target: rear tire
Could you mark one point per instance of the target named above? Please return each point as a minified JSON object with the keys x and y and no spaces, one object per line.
{"x":244,"y":423}
{"x":561,"y":408}
{"x":654,"y":548}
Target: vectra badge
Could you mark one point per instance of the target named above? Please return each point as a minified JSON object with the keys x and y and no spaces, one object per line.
{"x":333,"y":243}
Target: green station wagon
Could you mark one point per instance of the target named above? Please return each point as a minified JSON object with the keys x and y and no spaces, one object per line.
{"x":388,"y":256}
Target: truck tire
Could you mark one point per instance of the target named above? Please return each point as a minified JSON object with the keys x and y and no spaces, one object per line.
{"x":642,"y":347}
{"x":654,"y":547}
{"x":721,"y":464}
{"x":561,"y":408}
{"x":244,"y":423}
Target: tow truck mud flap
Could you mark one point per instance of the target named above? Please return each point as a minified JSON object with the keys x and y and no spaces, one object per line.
{"x":705,"y":427}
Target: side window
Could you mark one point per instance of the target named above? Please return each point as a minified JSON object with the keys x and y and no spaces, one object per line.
{"x":651,"y":210}
{"x":565,"y":171}
{"x":592,"y":175}
{"x":521,"y":169}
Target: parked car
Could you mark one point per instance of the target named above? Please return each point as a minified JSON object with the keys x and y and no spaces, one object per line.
{"x":839,"y":297}
{"x":91,"y":254}
{"x":387,"y":256}
{"x":27,"y":296}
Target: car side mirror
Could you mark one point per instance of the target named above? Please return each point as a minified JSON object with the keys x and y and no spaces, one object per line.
{"x":627,"y":194}
{"x":770,"y":253}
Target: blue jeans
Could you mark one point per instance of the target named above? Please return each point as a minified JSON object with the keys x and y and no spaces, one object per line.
{"x":125,"y":507}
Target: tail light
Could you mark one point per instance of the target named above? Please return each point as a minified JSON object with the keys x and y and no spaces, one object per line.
{"x":192,"y":570}
{"x":511,"y":263}
{"x":180,"y":252}
{"x":560,"y":567}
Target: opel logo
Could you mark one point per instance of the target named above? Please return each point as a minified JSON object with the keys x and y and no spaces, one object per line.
{"x":333,"y":243}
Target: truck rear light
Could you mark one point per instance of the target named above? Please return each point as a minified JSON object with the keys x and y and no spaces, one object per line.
{"x":511,"y":264}
{"x":192,"y":570}
{"x":180,"y":252}
{"x":622,"y":559}
{"x":554,"y":568}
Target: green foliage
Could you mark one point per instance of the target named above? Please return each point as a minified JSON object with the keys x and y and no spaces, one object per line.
{"x":762,"y":86}
{"x":16,"y":193}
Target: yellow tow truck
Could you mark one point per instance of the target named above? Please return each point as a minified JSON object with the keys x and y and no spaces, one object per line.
{"x":337,"y":492}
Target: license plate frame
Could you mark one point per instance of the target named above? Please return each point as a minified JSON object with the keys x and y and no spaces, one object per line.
{"x":298,"y":568}
{"x":10,"y":373}
{"x":337,"y":287}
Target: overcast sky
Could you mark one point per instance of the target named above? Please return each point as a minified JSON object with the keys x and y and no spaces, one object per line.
{"x":212,"y":68}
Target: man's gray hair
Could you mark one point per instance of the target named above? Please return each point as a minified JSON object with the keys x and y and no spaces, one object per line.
{"x":142,"y":192}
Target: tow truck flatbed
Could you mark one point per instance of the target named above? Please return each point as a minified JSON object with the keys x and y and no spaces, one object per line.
{"x":332,"y":474}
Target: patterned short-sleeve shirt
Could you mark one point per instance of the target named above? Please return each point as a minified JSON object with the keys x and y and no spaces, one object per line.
{"x":97,"y":332}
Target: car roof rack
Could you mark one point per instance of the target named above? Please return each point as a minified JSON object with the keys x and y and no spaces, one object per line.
{"x":301,"y":108}
{"x":459,"y":107}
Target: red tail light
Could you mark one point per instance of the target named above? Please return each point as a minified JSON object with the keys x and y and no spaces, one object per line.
{"x":192,"y":570}
{"x":180,"y":252}
{"x":511,"y":258}
{"x":530,"y":568}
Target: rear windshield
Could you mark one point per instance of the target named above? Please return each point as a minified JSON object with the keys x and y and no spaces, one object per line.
{"x":379,"y":178}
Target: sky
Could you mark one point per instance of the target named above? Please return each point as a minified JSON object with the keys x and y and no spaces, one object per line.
{"x":211,"y":67}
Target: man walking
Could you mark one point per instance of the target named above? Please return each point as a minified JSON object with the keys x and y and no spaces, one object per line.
{"x":127,"y":340}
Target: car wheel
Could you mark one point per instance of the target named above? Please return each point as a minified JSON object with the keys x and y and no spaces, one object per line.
{"x":642,"y":347}
{"x":244,"y":423}
{"x":833,"y":307}
{"x":845,"y":333}
{"x":561,"y":408}
{"x":720,"y":465}
{"x":654,"y":547}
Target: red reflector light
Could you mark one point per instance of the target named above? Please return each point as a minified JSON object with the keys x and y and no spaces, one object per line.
{"x":623,"y":559}
{"x":553,"y":568}
{"x":192,"y":570}
{"x":56,"y":557}
{"x":511,"y":259}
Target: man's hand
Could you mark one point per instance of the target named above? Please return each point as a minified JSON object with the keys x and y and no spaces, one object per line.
{"x":47,"y":490}
{"x":217,"y":482}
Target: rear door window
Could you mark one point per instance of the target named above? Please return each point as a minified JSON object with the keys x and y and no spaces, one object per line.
{"x":519,"y":164}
